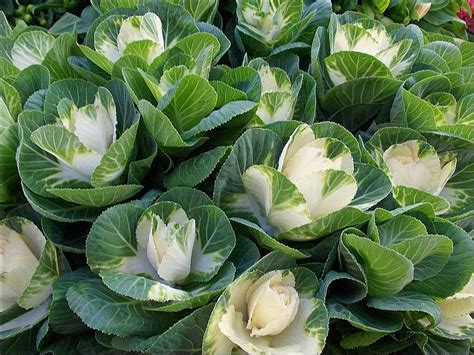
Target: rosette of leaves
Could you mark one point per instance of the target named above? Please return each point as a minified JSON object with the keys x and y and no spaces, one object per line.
{"x":399,"y":271}
{"x":29,"y":265}
{"x":167,"y":257}
{"x":420,"y":174}
{"x":181,"y":108}
{"x":80,"y":154}
{"x":178,"y":103}
{"x":24,"y":47}
{"x":440,"y":90}
{"x":137,"y":37}
{"x":271,"y":308}
{"x":285,"y":93}
{"x":357,"y":62}
{"x":270,"y":27}
{"x":312,"y":186}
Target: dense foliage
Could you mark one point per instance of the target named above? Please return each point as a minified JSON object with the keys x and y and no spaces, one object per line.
{"x":242,"y":176}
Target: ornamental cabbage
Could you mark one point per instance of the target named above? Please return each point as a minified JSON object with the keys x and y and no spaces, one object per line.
{"x":176,"y":254}
{"x":268,"y":311}
{"x":398,"y":271}
{"x":81,"y":152}
{"x":418,"y":173}
{"x":292,"y":191}
{"x":265,"y":25}
{"x":144,"y":33}
{"x":357,"y":63}
{"x":416,"y":164}
{"x":310,"y":164}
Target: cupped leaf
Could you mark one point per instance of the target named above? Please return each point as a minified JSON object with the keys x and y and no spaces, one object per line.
{"x":429,"y":254}
{"x":39,"y":288}
{"x":342,"y":287}
{"x":194,"y":99}
{"x":101,"y":309}
{"x":345,"y":66}
{"x":112,"y":237}
{"x":115,"y":160}
{"x":31,"y":48}
{"x":387,"y":271}
{"x":160,"y":126}
{"x":406,"y":196}
{"x":399,"y":229}
{"x":353,"y":103}
{"x":66,"y":237}
{"x":361,"y":317}
{"x":373,"y":185}
{"x":193,"y":171}
{"x":61,"y":317}
{"x":280,"y":205}
{"x":457,"y":271}
{"x":215,"y":242}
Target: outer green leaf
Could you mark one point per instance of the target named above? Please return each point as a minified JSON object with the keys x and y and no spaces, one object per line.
{"x":364,"y":318}
{"x":97,"y":197}
{"x":194,"y":99}
{"x":186,"y":335}
{"x":32,"y":79}
{"x":60,"y":210}
{"x":61,"y":318}
{"x":241,"y":111}
{"x":387,"y":271}
{"x":265,"y":240}
{"x":346,"y":66}
{"x":429,"y":254}
{"x":186,"y":197}
{"x":355,"y":102}
{"x":398,"y":229}
{"x":406,"y":196}
{"x":112,"y":237}
{"x":459,"y":268}
{"x":407,"y":301}
{"x":103,"y":310}
{"x":360,"y":339}
{"x":244,"y":255}
{"x":195,"y":170}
